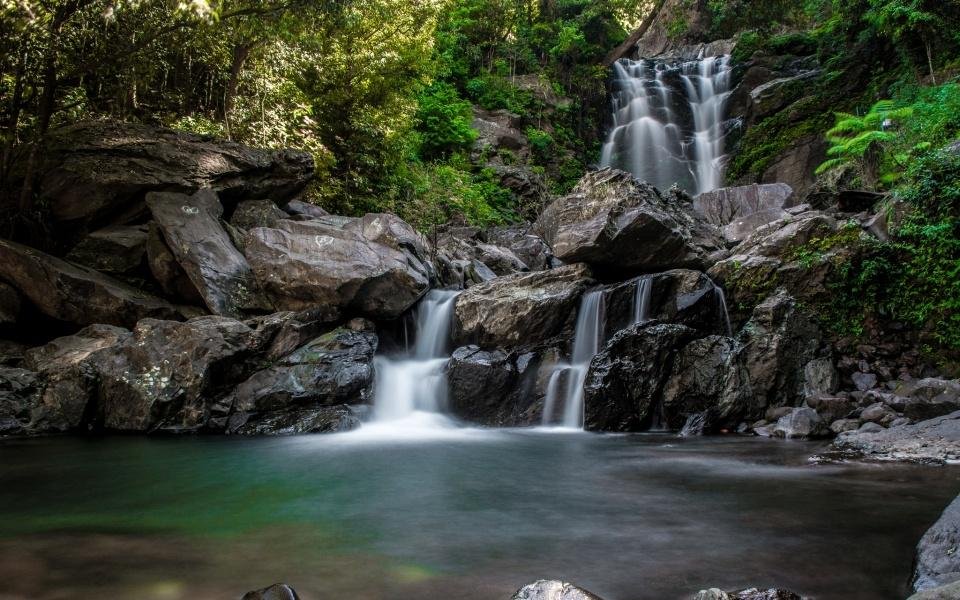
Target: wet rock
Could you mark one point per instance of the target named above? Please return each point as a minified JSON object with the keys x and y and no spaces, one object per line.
{"x":9,"y":305}
{"x":76,"y":294}
{"x":94,"y":170}
{"x":801,"y":423}
{"x":336,"y":368}
{"x":492,"y":388}
{"x":708,"y":380}
{"x":368,"y":266}
{"x":118,"y":249}
{"x":319,"y":419}
{"x":626,"y":378}
{"x":932,"y":441}
{"x":257,"y":213}
{"x":741,"y":210}
{"x":747,"y":594}
{"x":277,"y":591}
{"x":950,"y":591}
{"x":615,"y":222}
{"x":938,"y":560}
{"x":19,"y":394}
{"x":528,"y":247}
{"x":553,"y":590}
{"x":453,"y":248}
{"x":191,"y":228}
{"x":519,"y":309}
{"x":298,"y":208}
{"x":167,"y":271}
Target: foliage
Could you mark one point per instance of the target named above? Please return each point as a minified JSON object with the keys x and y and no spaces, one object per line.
{"x":854,"y":137}
{"x":444,"y":121}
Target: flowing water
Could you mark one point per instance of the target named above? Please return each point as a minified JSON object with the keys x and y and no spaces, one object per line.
{"x":641,"y":300}
{"x":631,"y":517}
{"x":566,"y":382}
{"x":667,"y":121}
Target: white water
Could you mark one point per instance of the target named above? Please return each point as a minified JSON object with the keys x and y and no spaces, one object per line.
{"x":667,"y":123}
{"x":641,"y":300}
{"x":566,"y":381}
{"x":722,"y":301}
{"x":411,"y":391}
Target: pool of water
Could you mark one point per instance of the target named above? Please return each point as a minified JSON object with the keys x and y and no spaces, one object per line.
{"x":465,"y":514}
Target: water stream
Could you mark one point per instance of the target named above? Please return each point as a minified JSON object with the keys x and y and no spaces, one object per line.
{"x":667,"y":121}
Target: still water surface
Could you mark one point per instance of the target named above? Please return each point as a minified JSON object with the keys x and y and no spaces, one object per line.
{"x":467,"y":514}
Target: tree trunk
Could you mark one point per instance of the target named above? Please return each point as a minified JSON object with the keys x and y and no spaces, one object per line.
{"x":241,"y":52}
{"x":933,"y":76}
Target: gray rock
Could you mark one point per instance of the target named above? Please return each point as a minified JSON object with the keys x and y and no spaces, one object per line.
{"x":370,"y":266}
{"x":528,"y":247}
{"x":299,"y":421}
{"x":739,"y":211}
{"x":524,"y":308}
{"x":932,"y":441}
{"x":950,"y":591}
{"x":938,"y":552}
{"x":864,"y":381}
{"x":553,"y":590}
{"x":492,"y":388}
{"x":77,"y":294}
{"x":871,"y":428}
{"x":922,"y":399}
{"x":257,"y":213}
{"x":9,"y":305}
{"x":747,"y":594}
{"x":801,"y":423}
{"x":167,"y":271}
{"x":614,"y":221}
{"x":842,"y":425}
{"x":118,"y":249}
{"x":878,"y":413}
{"x":19,"y":395}
{"x":277,"y":591}
{"x":298,"y":208}
{"x":831,"y":408}
{"x":820,"y":378}
{"x":191,"y":228}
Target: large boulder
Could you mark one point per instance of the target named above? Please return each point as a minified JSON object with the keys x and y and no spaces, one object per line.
{"x":527,"y":246}
{"x":934,"y":441}
{"x":19,"y":395}
{"x":677,"y":296}
{"x":553,"y":590}
{"x":100,"y":171}
{"x":191,"y":228}
{"x":167,"y":271}
{"x":625,"y":382}
{"x":938,"y":562}
{"x":524,"y":308}
{"x":492,"y":388}
{"x":801,"y":423}
{"x":741,"y":210}
{"x":117,"y":249}
{"x":335,"y":368}
{"x":921,"y":399}
{"x":950,"y":591}
{"x":76,"y":294}
{"x":615,"y":222}
{"x":10,"y":305}
{"x":257,"y":213}
{"x":373,"y":266}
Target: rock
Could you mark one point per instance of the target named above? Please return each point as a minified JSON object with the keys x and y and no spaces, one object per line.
{"x":747,"y":594}
{"x":118,"y":249}
{"x":191,"y":228}
{"x":922,"y":399}
{"x":553,"y":590}
{"x":493,"y":388}
{"x":277,"y":591}
{"x":96,"y":170}
{"x":932,"y":441}
{"x":801,"y":423}
{"x":779,"y":341}
{"x":499,"y":130}
{"x":336,"y":368}
{"x":878,"y":413}
{"x":167,"y":271}
{"x":820,"y":378}
{"x":9,"y":305}
{"x":870,"y":428}
{"x":75,"y":294}
{"x":369,"y":266}
{"x":841,"y":425}
{"x":19,"y":395}
{"x":454,"y":248}
{"x":864,"y":381}
{"x":776,"y":95}
{"x":528,"y":247}
{"x":613,"y":221}
{"x":951,"y":591}
{"x":297,"y":208}
{"x":708,"y":380}
{"x":320,"y":419}
{"x":900,"y":421}
{"x":831,"y":408}
{"x":938,"y":560}
{"x":522,"y":308}
{"x":741,"y":210}
{"x":257,"y":213}
{"x":11,"y":353}
{"x":626,"y":378}
{"x":796,"y":164}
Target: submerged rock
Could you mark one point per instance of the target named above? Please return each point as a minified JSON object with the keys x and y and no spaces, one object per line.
{"x":615,"y":222}
{"x":938,"y":552}
{"x":277,"y":591}
{"x":553,"y":590}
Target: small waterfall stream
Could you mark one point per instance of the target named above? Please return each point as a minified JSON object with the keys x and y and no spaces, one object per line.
{"x":667,"y":122}
{"x":641,"y":300}
{"x":415,"y":387}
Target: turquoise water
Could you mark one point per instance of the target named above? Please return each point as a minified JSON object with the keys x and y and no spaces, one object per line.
{"x":468,"y":514}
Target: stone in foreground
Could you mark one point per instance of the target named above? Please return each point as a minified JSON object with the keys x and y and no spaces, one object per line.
{"x":938,"y":559}
{"x":277,"y":591}
{"x":553,"y":590}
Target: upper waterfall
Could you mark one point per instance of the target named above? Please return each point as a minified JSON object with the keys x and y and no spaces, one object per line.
{"x":667,"y":121}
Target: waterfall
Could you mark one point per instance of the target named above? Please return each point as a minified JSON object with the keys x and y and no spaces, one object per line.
{"x":725,"y":312}
{"x":568,"y":378}
{"x":667,"y":121}
{"x":417,"y":384}
{"x":641,"y":300}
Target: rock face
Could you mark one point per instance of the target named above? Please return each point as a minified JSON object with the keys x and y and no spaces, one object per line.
{"x":257,"y":213}
{"x":741,"y":210}
{"x":492,"y":388}
{"x":19,"y":395}
{"x":94,"y":170}
{"x":9,"y":305}
{"x":626,"y":379}
{"x":613,"y":221}
{"x":528,"y":247}
{"x":937,"y":561}
{"x":117,"y":250}
{"x":75,"y":294}
{"x":372,"y":266}
{"x":932,"y":441}
{"x":747,"y":594}
{"x":553,"y":590}
{"x":519,"y":309}
{"x":951,"y":591}
{"x":191,"y":228}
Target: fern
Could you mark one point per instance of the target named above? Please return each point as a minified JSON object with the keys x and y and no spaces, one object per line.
{"x":852,"y":136}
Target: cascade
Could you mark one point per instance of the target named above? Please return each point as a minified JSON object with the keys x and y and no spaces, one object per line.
{"x":566,"y":381}
{"x":722,"y":300}
{"x":415,"y":384}
{"x":667,"y":121}
{"x":641,"y":300}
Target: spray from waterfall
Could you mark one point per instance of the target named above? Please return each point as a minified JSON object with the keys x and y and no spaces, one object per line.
{"x":667,"y":122}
